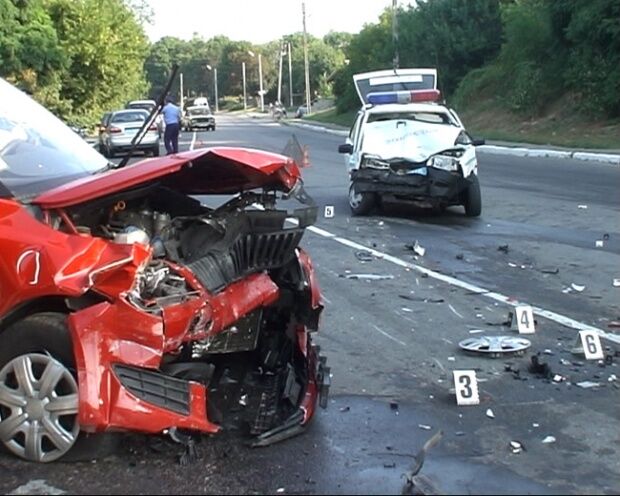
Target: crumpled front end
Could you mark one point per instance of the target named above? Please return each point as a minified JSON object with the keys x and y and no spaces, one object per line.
{"x":214,"y":332}
{"x":413,"y":182}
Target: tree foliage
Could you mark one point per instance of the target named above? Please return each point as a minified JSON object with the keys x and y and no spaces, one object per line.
{"x":550,"y":50}
{"x":78,"y":57}
{"x":455,"y":36}
{"x":228,"y":56}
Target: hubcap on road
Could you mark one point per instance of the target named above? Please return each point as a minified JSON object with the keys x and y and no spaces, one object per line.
{"x":38,"y":408}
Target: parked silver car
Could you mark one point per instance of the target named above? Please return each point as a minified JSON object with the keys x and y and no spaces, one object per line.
{"x":118,"y":129}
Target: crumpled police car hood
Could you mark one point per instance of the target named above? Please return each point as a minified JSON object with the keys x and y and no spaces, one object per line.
{"x":410,"y":140}
{"x":218,"y":170}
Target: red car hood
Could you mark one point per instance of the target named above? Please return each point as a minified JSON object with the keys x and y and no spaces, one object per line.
{"x":204,"y":171}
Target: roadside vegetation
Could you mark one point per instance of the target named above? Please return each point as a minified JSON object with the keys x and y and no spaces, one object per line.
{"x":526,"y":70}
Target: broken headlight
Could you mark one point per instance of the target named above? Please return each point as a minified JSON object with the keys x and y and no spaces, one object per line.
{"x":443,"y":162}
{"x":374,"y":162}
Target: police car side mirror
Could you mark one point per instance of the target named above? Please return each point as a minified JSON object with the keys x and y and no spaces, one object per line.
{"x":346,"y":148}
{"x":478,"y":142}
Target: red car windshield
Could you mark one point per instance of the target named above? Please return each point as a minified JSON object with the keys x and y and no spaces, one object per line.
{"x":37,"y":150}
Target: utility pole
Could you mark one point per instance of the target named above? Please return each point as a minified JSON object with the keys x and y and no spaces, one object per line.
{"x":290,"y":76}
{"x":306,"y":64}
{"x":245,"y":100}
{"x":260,"y":76}
{"x":280,"y":74}
{"x":217,"y":106}
{"x":396,"y":61}
{"x":181,"y":88}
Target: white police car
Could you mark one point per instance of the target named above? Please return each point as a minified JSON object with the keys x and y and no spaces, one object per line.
{"x":405,"y":146}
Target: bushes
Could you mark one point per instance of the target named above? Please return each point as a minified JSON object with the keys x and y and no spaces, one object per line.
{"x":552,"y":49}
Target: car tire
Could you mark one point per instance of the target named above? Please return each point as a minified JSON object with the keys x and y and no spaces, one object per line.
{"x":473,"y":198}
{"x":42,"y":341}
{"x":361,"y":203}
{"x":155,"y":151}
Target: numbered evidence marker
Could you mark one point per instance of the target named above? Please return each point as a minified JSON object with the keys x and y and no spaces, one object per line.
{"x":523,"y":320}
{"x":466,"y":387}
{"x":592,"y":347}
{"x":329,"y":212}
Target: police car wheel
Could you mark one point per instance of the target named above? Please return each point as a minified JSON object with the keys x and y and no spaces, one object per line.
{"x":360,"y":203}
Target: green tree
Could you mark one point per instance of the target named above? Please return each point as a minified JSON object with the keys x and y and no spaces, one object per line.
{"x":106,"y":47}
{"x":30,"y":52}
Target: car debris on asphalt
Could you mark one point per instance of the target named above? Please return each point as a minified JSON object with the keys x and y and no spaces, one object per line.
{"x":539,"y":368}
{"x":421,"y":299}
{"x":588,"y":384}
{"x":369,"y":277}
{"x":503,"y":248}
{"x":364,"y":256}
{"x":416,"y":248}
{"x":420,"y":457}
{"x":516,"y":447}
{"x":548,"y":270}
{"x":490,"y":413}
{"x":578,"y":287}
{"x":549,"y":440}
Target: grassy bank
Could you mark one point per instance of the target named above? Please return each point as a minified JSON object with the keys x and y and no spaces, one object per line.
{"x":558,"y":127}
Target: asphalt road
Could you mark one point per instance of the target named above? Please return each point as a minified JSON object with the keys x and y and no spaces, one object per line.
{"x":396,"y":341}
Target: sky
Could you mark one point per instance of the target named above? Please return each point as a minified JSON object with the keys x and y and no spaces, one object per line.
{"x":259,"y":21}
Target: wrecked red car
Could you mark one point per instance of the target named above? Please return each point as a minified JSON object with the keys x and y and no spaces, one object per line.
{"x":136,"y":299}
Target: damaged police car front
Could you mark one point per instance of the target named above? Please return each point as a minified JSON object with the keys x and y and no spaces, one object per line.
{"x":405,"y":147}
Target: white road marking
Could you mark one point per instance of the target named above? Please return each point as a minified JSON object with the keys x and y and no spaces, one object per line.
{"x":390,"y":336}
{"x":326,"y":299}
{"x":454,"y":311}
{"x":547,"y":314}
{"x":191,"y":145}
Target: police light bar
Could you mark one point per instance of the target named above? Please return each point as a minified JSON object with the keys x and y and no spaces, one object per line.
{"x":386,"y":97}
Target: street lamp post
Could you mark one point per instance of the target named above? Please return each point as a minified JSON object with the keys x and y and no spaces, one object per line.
{"x":245,"y":100}
{"x":260,"y":77}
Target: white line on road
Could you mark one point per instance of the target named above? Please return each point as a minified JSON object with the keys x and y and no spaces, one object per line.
{"x":191,"y":146}
{"x":556,"y":317}
{"x":389,"y":336}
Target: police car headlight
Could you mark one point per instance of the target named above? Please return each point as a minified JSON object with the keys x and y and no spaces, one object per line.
{"x":374,"y":162}
{"x":444,"y":163}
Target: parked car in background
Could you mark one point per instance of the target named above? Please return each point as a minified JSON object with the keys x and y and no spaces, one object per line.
{"x":148,"y":105}
{"x":405,"y":146}
{"x":198,"y":117}
{"x":119,"y":129}
{"x":129,"y":305}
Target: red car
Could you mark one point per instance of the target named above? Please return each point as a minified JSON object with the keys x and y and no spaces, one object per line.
{"x":126,"y":304}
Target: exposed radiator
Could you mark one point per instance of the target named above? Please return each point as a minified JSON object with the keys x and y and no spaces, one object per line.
{"x":250,"y":253}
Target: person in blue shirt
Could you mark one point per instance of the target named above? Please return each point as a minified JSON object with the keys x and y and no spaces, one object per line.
{"x":172,"y":120}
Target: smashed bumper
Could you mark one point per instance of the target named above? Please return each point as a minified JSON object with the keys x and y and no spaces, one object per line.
{"x":428,"y":183}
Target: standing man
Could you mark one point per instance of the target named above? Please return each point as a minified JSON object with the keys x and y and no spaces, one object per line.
{"x":172,"y":119}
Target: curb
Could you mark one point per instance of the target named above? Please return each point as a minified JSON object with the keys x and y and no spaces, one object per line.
{"x":607,"y":158}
